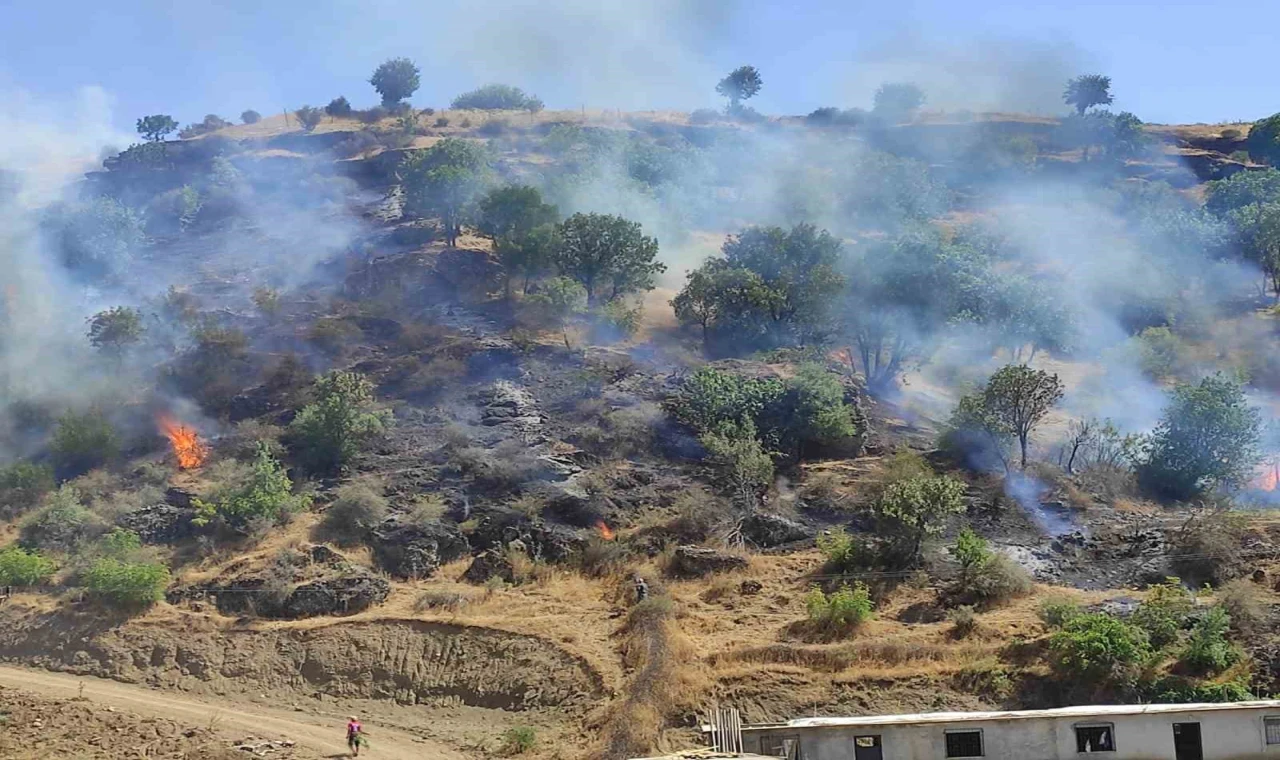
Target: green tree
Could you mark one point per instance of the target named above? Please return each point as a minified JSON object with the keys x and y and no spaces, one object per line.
{"x":338,"y":108}
{"x":527,"y":255}
{"x":710,"y":399}
{"x":83,"y":441}
{"x":1099,"y":648}
{"x":250,"y":117}
{"x":19,"y":567}
{"x":23,"y":485}
{"x":1242,"y":189}
{"x":896,"y":102}
{"x":331,"y":431}
{"x":609,"y":255}
{"x":1163,"y":612}
{"x":265,"y":492}
{"x":718,"y":295}
{"x":558,"y":300}
{"x":1263,"y":142}
{"x":309,"y":117}
{"x":811,"y":412}
{"x":1086,"y":91}
{"x":1207,"y":438}
{"x":737,"y":451}
{"x":155,"y":127}
{"x":98,"y":237}
{"x":442,"y":182}
{"x":395,"y":80}
{"x":741,"y":84}
{"x":1208,"y":650}
{"x":497,"y":97}
{"x":1018,"y":398}
{"x":61,"y":525}
{"x":513,"y":211}
{"x":113,"y":331}
{"x":132,"y":585}
{"x":918,"y":507}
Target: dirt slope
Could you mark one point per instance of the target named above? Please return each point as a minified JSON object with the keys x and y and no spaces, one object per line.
{"x":315,"y":733}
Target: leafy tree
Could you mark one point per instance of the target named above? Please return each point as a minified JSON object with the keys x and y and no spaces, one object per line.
{"x":710,"y":399}
{"x":19,"y":567}
{"x":918,"y":507}
{"x":114,"y":330}
{"x":559,"y":299}
{"x":741,"y":84}
{"x":1163,"y":612}
{"x":1207,"y":438}
{"x":82,"y":442}
{"x":98,"y":237}
{"x":609,"y":255}
{"x":1208,"y":651}
{"x":718,"y":296}
{"x":1019,"y":397}
{"x":897,"y":102}
{"x":986,"y":577}
{"x":155,"y":127}
{"x":120,"y":543}
{"x":133,"y":585}
{"x":497,"y":97}
{"x":339,"y":107}
{"x":443,"y":181}
{"x":22,"y":485}
{"x":309,"y":117}
{"x":264,"y":493}
{"x":513,"y":211}
{"x":1099,"y":648}
{"x":1242,"y":189}
{"x":736,"y":449}
{"x":527,"y":254}
{"x":331,"y":431}
{"x":810,"y":413}
{"x":395,"y":80}
{"x":1086,"y":91}
{"x":250,"y":117}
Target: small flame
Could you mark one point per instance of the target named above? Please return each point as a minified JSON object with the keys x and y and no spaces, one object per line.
{"x":1269,"y":478}
{"x":188,"y":449}
{"x":606,"y":533}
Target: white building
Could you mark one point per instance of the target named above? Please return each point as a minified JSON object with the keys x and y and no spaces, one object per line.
{"x":1224,"y":731}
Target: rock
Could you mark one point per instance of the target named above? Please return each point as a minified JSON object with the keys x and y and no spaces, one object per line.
{"x":767,"y":530}
{"x":493,"y":563}
{"x":335,"y":596}
{"x":542,"y":540}
{"x":1259,"y":576}
{"x":178,"y":497}
{"x":750,"y":587}
{"x":416,"y":551}
{"x":696,"y":562}
{"x":161,"y":523}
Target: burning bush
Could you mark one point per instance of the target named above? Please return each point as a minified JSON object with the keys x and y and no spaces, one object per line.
{"x":188,"y":450}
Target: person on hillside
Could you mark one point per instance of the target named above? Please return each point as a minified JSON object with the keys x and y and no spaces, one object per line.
{"x":353,"y":735}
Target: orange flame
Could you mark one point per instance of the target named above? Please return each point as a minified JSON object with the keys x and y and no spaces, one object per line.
{"x":605,"y":531}
{"x":1268,"y":479}
{"x":188,"y":449}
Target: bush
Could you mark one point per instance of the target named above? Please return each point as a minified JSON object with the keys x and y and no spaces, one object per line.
{"x":843,"y":552}
{"x":964,"y":621}
{"x":914,"y":509}
{"x":519,"y":740}
{"x":330,"y":432}
{"x":263,"y":493}
{"x":441,"y":122}
{"x":309,"y":117}
{"x":1230,"y":134}
{"x":1246,"y":604}
{"x":82,"y":442}
{"x":843,"y":610}
{"x":1207,"y":548}
{"x":1164,"y":612}
{"x":22,"y":568}
{"x":1097,"y":648}
{"x":356,"y":510}
{"x":497,"y":97}
{"x":338,"y":107}
{"x":372,"y":115}
{"x":131,"y":585}
{"x":746,"y":466}
{"x":986,"y":577}
{"x":1208,"y":651}
{"x":1058,"y":611}
{"x":251,"y":117}
{"x":62,"y":525}
{"x":22,"y":486}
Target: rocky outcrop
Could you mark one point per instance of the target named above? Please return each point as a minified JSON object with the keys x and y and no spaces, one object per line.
{"x":161,"y":523}
{"x":542,"y":540}
{"x":767,"y":530}
{"x":697,"y":562}
{"x":411,"y":550}
{"x":493,"y":563}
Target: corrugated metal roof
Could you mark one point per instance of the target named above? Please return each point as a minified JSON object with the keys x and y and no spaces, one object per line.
{"x":1082,"y":711}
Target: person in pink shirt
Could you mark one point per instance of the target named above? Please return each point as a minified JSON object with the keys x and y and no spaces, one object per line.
{"x":353,"y":735}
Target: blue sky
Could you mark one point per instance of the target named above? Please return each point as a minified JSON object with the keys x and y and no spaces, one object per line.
{"x":1170,"y":61}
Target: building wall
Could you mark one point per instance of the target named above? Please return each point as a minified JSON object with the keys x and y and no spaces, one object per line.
{"x":1224,"y":735}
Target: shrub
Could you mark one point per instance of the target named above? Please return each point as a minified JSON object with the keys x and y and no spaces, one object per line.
{"x":1164,"y":612}
{"x":356,"y":510}
{"x":964,"y":621}
{"x":746,"y":466}
{"x":493,"y":128}
{"x":372,"y":115}
{"x":61,"y":525}
{"x":19,"y":567}
{"x":1058,"y":611}
{"x":127,"y":584}
{"x":309,"y":117}
{"x":22,"y":486}
{"x":264,"y":492}
{"x":338,"y":107}
{"x":519,"y":740}
{"x":842,"y":551}
{"x":1098,"y":648}
{"x":1230,"y":134}
{"x":1208,"y":651}
{"x":1207,"y":548}
{"x":497,"y":97}
{"x":112,"y":331}
{"x":82,"y":442}
{"x":331,"y":431}
{"x":441,"y":122}
{"x":1246,"y":604}
{"x":250,"y":117}
{"x":917,"y":508}
{"x":986,"y":577}
{"x":840,"y":611}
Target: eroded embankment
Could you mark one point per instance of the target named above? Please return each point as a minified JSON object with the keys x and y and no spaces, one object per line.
{"x":412,"y":662}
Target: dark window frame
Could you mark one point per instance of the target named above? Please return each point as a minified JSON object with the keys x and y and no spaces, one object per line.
{"x":1111,"y":736}
{"x":1267,"y":722}
{"x":982,"y":745}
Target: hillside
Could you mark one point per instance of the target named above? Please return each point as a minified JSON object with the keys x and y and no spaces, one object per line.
{"x":346,"y":438}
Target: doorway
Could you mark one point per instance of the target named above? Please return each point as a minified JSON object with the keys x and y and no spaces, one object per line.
{"x":1186,"y":741}
{"x":867,"y":748}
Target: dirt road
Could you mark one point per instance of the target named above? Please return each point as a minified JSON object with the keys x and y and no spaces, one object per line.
{"x":318,"y":733}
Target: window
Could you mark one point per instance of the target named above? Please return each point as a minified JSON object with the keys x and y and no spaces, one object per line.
{"x":1099,"y":737}
{"x":1272,"y":724}
{"x":964,"y":743}
{"x":782,"y":746}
